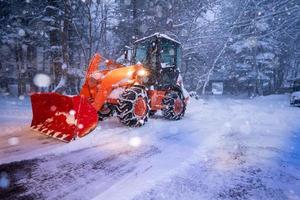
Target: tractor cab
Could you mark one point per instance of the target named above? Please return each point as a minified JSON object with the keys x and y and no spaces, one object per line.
{"x":161,"y":55}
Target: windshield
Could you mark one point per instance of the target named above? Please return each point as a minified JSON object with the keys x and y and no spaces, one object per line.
{"x":168,"y":54}
{"x":146,"y":54}
{"x":141,"y":52}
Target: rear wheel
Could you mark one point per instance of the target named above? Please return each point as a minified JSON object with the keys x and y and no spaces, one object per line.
{"x":133,"y":107}
{"x":174,"y":105}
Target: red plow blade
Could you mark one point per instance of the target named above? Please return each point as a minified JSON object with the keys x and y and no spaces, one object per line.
{"x":62,"y":117}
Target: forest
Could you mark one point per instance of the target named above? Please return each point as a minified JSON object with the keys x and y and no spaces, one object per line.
{"x":252,"y":47}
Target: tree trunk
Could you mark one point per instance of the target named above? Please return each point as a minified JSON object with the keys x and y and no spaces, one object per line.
{"x":65,"y":48}
{"x":31,"y":65}
{"x":134,"y":17}
{"x":55,"y":52}
{"x":65,"y":36}
{"x":20,"y":70}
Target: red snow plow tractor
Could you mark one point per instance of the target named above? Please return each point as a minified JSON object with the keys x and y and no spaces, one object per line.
{"x":132,"y":92}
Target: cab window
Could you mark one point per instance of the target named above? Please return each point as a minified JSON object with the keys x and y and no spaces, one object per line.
{"x":146,"y":53}
{"x":168,"y":54}
{"x":141,"y":52}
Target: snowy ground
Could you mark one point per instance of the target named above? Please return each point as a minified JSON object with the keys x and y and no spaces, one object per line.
{"x":224,"y":148}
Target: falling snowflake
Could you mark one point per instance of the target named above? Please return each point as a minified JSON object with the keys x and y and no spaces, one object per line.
{"x":21,"y":32}
{"x":72,"y":112}
{"x":21,"y":97}
{"x":64,"y":66}
{"x":42,"y":80}
{"x":135,"y":141}
{"x":80,"y":126}
{"x":252,"y":42}
{"x":210,"y":15}
{"x":53,"y":108}
{"x":172,"y":52}
{"x":13,"y":141}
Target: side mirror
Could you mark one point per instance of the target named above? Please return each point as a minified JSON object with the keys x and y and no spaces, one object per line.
{"x":126,"y":54}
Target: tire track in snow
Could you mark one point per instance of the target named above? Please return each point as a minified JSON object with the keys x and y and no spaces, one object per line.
{"x":42,"y":182}
{"x":57,"y":177}
{"x":33,"y":144}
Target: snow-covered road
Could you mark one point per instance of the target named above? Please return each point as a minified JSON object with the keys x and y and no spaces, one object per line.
{"x":224,"y":148}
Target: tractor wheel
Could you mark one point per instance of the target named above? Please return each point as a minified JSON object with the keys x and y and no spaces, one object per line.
{"x":133,"y":107}
{"x":106,"y":112}
{"x":174,"y":105}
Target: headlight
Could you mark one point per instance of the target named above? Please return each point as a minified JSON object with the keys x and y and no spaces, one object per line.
{"x":130,"y":73}
{"x":142,"y":72}
{"x":142,"y":76}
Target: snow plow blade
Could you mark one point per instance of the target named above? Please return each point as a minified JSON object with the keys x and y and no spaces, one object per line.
{"x":62,"y":117}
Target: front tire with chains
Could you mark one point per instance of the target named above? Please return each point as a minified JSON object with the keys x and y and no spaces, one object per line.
{"x":127,"y":105}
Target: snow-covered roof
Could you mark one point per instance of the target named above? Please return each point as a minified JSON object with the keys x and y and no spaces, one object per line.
{"x":159,"y":35}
